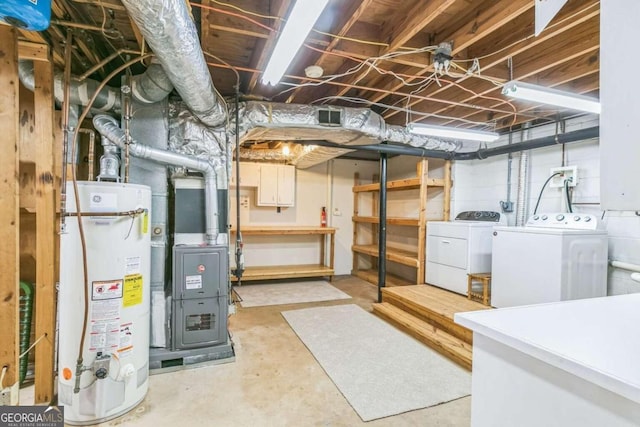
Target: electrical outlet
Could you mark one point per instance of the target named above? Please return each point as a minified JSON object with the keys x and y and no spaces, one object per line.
{"x":10,"y":395}
{"x":5,"y":396}
{"x":566,"y":172}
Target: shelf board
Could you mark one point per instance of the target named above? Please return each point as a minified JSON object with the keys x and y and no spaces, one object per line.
{"x":401,"y":184}
{"x":269,"y":230}
{"x":285,"y":272}
{"x":413,"y":222}
{"x":371,"y":276}
{"x":401,"y":256}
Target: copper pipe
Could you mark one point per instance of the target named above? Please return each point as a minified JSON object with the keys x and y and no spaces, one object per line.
{"x":105,"y":61}
{"x":82,"y":26}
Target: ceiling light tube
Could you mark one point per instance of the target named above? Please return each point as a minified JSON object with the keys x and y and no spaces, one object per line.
{"x":544,"y":95}
{"x":304,"y":15}
{"x":452,"y":133}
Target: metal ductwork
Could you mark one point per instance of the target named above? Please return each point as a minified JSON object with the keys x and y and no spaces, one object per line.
{"x":169,"y":30}
{"x":343,"y":128}
{"x":80,"y":91}
{"x":151,"y":86}
{"x":108,"y":128}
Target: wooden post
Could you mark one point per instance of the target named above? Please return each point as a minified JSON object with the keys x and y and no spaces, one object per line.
{"x":45,"y":313}
{"x":446,"y":209}
{"x":423,"y":175}
{"x":9,"y":204}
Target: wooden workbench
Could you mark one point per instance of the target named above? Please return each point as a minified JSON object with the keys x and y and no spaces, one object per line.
{"x":291,"y":270}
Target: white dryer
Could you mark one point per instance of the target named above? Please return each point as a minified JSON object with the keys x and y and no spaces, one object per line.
{"x":554,"y":257}
{"x":457,"y":248}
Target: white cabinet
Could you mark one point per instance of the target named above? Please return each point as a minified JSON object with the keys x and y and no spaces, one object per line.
{"x":286,"y":185}
{"x":277,"y":185}
{"x":249,"y":174}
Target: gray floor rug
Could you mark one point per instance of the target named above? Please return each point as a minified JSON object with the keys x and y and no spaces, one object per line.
{"x":379,"y":370}
{"x":288,"y":293}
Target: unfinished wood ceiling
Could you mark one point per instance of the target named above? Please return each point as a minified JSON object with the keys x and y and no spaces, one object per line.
{"x":378,"y":53}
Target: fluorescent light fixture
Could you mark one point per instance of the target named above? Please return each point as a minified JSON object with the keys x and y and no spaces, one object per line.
{"x":549,"y":96}
{"x":452,"y":133}
{"x":304,"y":15}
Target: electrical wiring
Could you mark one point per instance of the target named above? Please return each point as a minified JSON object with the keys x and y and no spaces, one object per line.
{"x":4,"y":372}
{"x":237,"y":15}
{"x":277,"y":18}
{"x":32,"y":346}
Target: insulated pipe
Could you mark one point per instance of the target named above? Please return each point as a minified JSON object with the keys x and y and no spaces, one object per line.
{"x":80,"y":92}
{"x":171,"y":33}
{"x":151,"y":86}
{"x":565,"y":138}
{"x":108,"y":127}
{"x":382,"y":227}
{"x":387,"y":148}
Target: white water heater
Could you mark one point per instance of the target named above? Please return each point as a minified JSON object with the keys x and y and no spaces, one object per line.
{"x":115,"y":370}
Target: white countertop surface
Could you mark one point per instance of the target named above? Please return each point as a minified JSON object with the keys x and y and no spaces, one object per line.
{"x":597,"y":339}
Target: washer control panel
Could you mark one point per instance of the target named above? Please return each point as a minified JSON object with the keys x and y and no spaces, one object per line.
{"x":577,"y":221}
{"x":489,"y":216}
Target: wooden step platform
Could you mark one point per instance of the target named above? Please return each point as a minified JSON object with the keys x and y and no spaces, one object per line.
{"x":448,"y":345}
{"x":426,"y":312}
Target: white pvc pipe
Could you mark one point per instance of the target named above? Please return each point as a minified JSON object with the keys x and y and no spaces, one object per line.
{"x":625,"y":266}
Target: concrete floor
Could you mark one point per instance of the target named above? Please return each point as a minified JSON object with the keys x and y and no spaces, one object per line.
{"x":275,"y":381}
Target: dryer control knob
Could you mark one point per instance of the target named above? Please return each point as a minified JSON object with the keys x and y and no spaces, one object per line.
{"x":576,"y":218}
{"x":587,"y":218}
{"x":560,"y":217}
{"x":536,"y":217}
{"x":544,"y":217}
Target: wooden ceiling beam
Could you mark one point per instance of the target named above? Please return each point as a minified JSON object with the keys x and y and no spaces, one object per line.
{"x":410,"y":23}
{"x":573,"y":19}
{"x":422,"y":17}
{"x":354,"y":16}
{"x":485,"y":23}
{"x":584,"y":50}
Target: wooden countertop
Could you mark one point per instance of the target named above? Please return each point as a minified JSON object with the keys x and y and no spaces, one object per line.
{"x":279,"y":230}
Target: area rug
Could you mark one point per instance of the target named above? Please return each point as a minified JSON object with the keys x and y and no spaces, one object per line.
{"x":378,"y":369}
{"x":288,"y":293}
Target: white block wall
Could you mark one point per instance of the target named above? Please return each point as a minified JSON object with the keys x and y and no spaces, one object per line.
{"x":482,"y":184}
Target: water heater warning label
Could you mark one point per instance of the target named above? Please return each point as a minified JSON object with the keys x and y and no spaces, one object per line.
{"x":106,"y":289}
{"x":132,"y":290}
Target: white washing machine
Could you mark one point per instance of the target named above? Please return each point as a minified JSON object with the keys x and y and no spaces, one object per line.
{"x":457,"y":248}
{"x":554,"y":257}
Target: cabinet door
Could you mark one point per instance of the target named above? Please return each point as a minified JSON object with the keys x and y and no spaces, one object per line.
{"x":268,"y":188}
{"x":249,"y":174}
{"x":286,"y":185}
